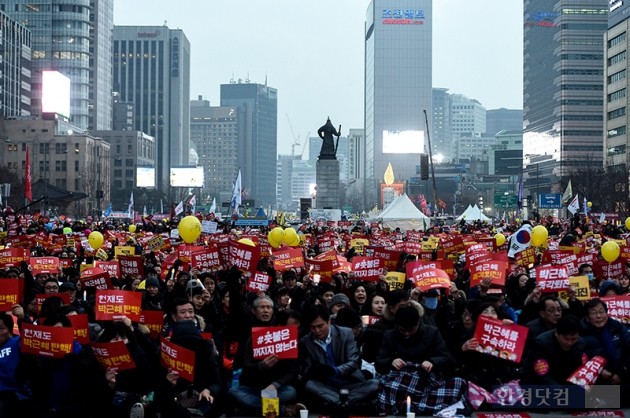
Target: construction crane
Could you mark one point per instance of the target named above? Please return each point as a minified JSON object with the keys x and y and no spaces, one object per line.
{"x":296,"y":138}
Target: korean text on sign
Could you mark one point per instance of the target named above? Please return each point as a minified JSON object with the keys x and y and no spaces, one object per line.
{"x":281,"y":341}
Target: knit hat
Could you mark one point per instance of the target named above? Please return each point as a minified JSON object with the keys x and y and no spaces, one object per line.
{"x":609,"y":285}
{"x":289,"y":275}
{"x":152,"y":281}
{"x":347,"y":317}
{"x":67,"y":286}
{"x":339,"y":298}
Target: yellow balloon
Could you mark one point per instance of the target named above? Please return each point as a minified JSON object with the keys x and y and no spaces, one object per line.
{"x":628,"y":224}
{"x":95,"y":239}
{"x":132,"y":228}
{"x":276,"y":236}
{"x":291,"y":237}
{"x":610,"y":251}
{"x":189,"y":229}
{"x":499,"y":239}
{"x":539,"y":236}
{"x":589,"y":204}
{"x":247,"y":241}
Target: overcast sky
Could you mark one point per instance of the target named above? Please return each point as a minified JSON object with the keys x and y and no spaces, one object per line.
{"x":312,"y":52}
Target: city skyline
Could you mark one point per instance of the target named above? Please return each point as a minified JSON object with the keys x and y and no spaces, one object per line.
{"x":315,"y":59}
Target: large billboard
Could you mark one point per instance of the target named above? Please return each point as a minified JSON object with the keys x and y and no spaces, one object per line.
{"x":187,"y":176}
{"x":55,"y":93}
{"x":403,"y":142}
{"x":145,"y":177}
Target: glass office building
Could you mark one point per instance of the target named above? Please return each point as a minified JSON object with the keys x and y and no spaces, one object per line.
{"x":398,"y":65}
{"x":562,"y":90}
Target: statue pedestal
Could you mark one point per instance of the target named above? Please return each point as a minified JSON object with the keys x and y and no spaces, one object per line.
{"x":327,"y":175}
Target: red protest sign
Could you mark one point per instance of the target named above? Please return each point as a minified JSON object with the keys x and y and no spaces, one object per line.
{"x":206,"y":259}
{"x":281,"y":341}
{"x":453,"y":244}
{"x":131,"y":265}
{"x":412,"y":247}
{"x":258,"y":282}
{"x":10,"y":293}
{"x":526,"y":258}
{"x":500,"y":340}
{"x":116,"y":304}
{"x":618,"y":308}
{"x":588,"y":373}
{"x":494,"y":270}
{"x":432,"y":278}
{"x":367,"y":268}
{"x":113,"y":355}
{"x":178,"y":358}
{"x":389,"y":257}
{"x":614,"y":270}
{"x":185,"y":252}
{"x":65,"y":263}
{"x":12,"y":257}
{"x":322,"y":267}
{"x":41,"y":265}
{"x":153,"y":320}
{"x":111,"y":267}
{"x":40,"y":298}
{"x":288,"y":258}
{"x":40,"y":340}
{"x":243,"y":256}
{"x":552,"y":278}
{"x":413,"y":268}
{"x":81,"y":327}
{"x":95,"y":277}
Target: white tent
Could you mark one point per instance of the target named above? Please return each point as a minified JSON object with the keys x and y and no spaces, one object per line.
{"x":473,"y":214}
{"x":403,"y":214}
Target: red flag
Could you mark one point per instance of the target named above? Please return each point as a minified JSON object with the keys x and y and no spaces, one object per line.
{"x":28,"y":190}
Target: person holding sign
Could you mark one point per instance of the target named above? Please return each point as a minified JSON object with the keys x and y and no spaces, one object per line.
{"x":610,"y":339}
{"x":11,"y":389}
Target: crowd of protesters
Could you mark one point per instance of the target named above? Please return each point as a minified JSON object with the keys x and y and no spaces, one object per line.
{"x":365,"y":347}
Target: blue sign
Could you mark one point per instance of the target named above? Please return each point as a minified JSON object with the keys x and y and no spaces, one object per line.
{"x":549,"y":201}
{"x":402,"y":14}
{"x":252,"y":222}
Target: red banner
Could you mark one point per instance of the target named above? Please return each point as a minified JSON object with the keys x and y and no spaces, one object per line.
{"x":288,"y":258}
{"x":116,"y":304}
{"x":258,"y":282}
{"x":131,"y":265}
{"x":432,"y":278}
{"x":207,"y":259}
{"x":53,"y":342}
{"x":367,"y":268}
{"x":111,"y":267}
{"x":618,"y":308}
{"x":185,"y":252}
{"x":412,"y":247}
{"x":10,"y":293}
{"x":41,"y":265}
{"x":281,"y":341}
{"x":390,"y":257}
{"x":322,"y":267}
{"x":12,"y":257}
{"x":113,"y":355}
{"x":526,"y":258}
{"x":154,"y":320}
{"x":81,"y":328}
{"x":177,"y":358}
{"x":552,"y":278}
{"x":95,"y":277}
{"x":243,"y":256}
{"x":500,"y":340}
{"x":614,"y":270}
{"x":588,"y":373}
{"x":453,"y":244}
{"x":495,"y":270}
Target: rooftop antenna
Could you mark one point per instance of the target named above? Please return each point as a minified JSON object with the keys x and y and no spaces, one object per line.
{"x":165,"y":23}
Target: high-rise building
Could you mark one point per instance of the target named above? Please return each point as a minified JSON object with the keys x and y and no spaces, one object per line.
{"x":15,"y":68}
{"x":398,"y":66}
{"x":258,"y":134}
{"x":503,"y":119}
{"x":441,"y":135}
{"x":617,"y":120}
{"x":152,"y":71}
{"x":74,"y":38}
{"x":563,"y":68}
{"x":214,"y":132}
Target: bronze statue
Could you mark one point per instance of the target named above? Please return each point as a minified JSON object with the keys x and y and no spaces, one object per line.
{"x":329,"y":149}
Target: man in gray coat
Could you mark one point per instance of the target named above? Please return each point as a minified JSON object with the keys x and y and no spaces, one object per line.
{"x":330,"y":365}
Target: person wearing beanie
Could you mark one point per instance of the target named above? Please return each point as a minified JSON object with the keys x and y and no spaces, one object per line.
{"x":609,"y":288}
{"x":152,"y":298}
{"x":411,"y":348}
{"x":350,"y":319}
{"x":337,"y":302}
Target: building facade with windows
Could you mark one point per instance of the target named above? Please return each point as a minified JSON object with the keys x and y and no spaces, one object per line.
{"x":152,"y":71}
{"x":563,"y":86}
{"x":15,"y":68}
